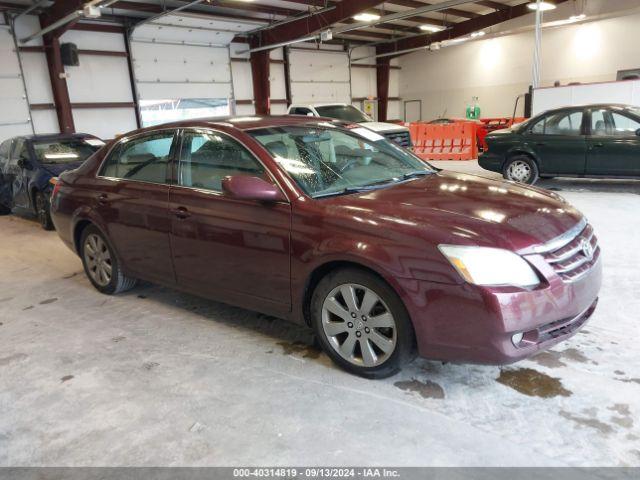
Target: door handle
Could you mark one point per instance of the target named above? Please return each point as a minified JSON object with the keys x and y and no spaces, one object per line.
{"x":181,"y":212}
{"x":103,"y":199}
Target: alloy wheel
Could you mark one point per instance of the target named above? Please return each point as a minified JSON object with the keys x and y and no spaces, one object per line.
{"x":358,"y":325}
{"x":98,"y":260}
{"x":519,"y":171}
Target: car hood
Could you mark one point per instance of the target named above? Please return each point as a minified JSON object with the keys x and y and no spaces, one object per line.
{"x":454,"y":208}
{"x":381,"y":127}
{"x":57,"y":169}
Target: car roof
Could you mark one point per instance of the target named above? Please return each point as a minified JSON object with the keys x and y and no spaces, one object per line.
{"x":246,"y":122}
{"x":314,"y":105}
{"x":54,"y":136}
{"x":621,"y":106}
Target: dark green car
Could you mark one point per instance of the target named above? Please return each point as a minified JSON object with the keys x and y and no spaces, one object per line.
{"x":591,"y":141}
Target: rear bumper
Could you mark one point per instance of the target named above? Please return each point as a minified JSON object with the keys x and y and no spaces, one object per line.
{"x":490,"y":161}
{"x":467,"y":323}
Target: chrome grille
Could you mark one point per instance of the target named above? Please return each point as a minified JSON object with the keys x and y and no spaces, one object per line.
{"x":574,"y":259}
{"x":402,"y":138}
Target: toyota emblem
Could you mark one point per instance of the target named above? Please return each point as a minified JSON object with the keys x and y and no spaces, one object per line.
{"x":587,"y":249}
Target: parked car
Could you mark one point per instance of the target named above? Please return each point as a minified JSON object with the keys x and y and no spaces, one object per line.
{"x":380,"y":253}
{"x":348,"y":113}
{"x":28,"y":164}
{"x":590,"y":141}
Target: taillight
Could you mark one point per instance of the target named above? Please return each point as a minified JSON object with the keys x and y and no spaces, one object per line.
{"x":56,"y":186}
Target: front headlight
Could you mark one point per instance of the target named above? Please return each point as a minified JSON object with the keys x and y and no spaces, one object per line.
{"x":490,"y":266}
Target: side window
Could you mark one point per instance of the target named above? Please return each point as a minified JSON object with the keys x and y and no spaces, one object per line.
{"x":208,"y":157}
{"x":599,"y":127}
{"x":624,"y":126}
{"x":19,"y":151}
{"x":538,"y":128}
{"x":5,"y":149}
{"x":143,"y":159}
{"x":562,"y":123}
{"x":301,"y":111}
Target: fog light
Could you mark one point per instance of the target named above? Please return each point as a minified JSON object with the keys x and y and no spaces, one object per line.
{"x":517,"y":338}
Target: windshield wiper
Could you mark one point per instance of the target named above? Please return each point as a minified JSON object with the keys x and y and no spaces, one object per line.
{"x":348,"y":190}
{"x":417,"y":173}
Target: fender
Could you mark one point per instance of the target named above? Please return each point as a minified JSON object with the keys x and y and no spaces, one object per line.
{"x":86,"y":213}
{"x":522,"y":148}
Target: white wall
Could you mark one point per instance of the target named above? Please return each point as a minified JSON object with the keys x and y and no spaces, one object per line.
{"x":498,"y":69}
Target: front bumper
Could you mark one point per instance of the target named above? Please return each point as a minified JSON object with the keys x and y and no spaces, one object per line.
{"x":472,"y":324}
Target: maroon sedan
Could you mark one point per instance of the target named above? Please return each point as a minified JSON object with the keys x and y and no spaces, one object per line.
{"x":333,"y":226}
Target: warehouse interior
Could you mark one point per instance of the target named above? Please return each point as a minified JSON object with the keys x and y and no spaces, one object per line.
{"x":158,"y":378}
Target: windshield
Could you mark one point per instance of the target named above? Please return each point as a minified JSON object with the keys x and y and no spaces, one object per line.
{"x":326,"y":160}
{"x":66,"y":151}
{"x":346,"y":113}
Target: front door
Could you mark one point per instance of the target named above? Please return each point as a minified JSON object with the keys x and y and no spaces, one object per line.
{"x":132,"y":199}
{"x":234,"y":250}
{"x":614,"y":144}
{"x":559,"y":142}
{"x":20,"y":165}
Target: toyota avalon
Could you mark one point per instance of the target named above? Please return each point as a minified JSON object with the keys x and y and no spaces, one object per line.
{"x":331,"y":225}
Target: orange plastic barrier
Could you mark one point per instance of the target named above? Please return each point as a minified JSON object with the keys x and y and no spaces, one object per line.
{"x":492,"y":124}
{"x":456,"y":141}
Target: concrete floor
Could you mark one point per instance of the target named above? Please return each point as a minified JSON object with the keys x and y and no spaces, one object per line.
{"x":158,"y":378}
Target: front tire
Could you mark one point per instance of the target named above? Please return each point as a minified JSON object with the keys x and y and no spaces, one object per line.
{"x":521,"y":169}
{"x":101,"y":264}
{"x":362,"y":324}
{"x":43,"y":211}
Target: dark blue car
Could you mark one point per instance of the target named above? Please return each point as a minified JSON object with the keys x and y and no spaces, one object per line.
{"x":28,"y":163}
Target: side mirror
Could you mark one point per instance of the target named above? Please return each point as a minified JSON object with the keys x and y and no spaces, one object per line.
{"x":24,"y":163}
{"x":252,"y":188}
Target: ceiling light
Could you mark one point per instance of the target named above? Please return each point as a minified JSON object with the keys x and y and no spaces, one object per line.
{"x":577,"y":18}
{"x":431,"y":28}
{"x":366,"y":17}
{"x":544,"y":6}
{"x":478,"y":34}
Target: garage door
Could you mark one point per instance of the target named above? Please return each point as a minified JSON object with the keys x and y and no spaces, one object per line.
{"x":182,"y":67}
{"x":319,"y":76}
{"x":14,"y":108}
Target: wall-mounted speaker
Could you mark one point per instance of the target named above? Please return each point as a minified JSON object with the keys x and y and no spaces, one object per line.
{"x":69,"y":54}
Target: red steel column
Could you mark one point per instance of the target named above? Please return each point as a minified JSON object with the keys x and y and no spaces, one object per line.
{"x":383,"y":70}
{"x":58,"y":84}
{"x":261,"y":87}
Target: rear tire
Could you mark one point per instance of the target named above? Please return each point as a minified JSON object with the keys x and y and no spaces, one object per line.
{"x":367,"y":330}
{"x":521,"y":169}
{"x":43,"y":211}
{"x":101,"y":264}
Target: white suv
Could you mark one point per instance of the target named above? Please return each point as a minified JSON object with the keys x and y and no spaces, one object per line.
{"x":349,"y":113}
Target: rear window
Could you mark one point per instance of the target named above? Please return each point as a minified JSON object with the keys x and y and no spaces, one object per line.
{"x":346,"y":113}
{"x":66,"y":151}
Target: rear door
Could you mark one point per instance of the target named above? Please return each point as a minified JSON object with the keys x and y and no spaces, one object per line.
{"x":132,"y":198}
{"x":559,"y":141}
{"x":614,"y":144}
{"x":225,"y":248}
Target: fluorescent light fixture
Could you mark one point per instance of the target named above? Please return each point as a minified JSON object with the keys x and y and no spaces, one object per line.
{"x":481,"y":33}
{"x":544,"y":6}
{"x":366,"y":17}
{"x":59,"y":156}
{"x":577,"y":18}
{"x":431,"y":28}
